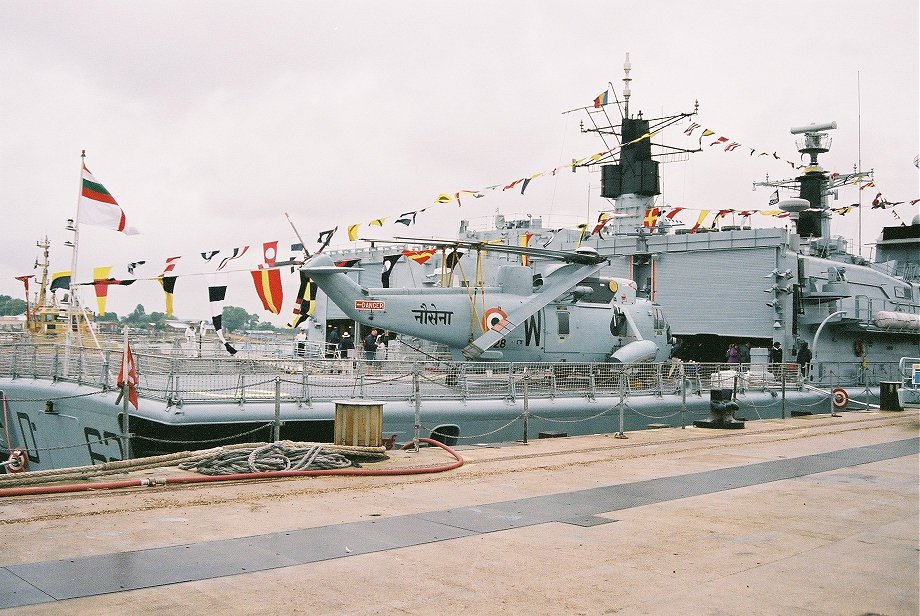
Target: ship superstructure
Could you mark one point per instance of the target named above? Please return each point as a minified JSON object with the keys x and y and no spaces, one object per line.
{"x":717,"y":286}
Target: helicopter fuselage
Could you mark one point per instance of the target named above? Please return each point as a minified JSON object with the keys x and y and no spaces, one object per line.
{"x":538,"y":323}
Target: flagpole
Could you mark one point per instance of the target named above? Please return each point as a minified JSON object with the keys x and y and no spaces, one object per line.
{"x":73,"y":259}
{"x":297,"y":233}
{"x":125,"y":391}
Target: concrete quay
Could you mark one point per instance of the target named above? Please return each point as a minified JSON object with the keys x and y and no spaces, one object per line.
{"x":809,"y":515}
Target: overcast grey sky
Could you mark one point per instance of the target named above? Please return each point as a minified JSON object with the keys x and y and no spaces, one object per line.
{"x":208,"y":120}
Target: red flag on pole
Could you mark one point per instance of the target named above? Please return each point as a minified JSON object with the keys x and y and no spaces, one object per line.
{"x":127,"y":375}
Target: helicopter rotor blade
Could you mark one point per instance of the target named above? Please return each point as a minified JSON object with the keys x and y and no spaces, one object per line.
{"x":584,"y":257}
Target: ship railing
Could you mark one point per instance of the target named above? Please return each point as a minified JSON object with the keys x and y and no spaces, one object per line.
{"x":180,"y":380}
{"x":900,"y":269}
{"x":906,"y":372}
{"x":867,"y":307}
{"x":830,"y":374}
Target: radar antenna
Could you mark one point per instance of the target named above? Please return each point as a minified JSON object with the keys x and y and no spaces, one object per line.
{"x":814,"y":185}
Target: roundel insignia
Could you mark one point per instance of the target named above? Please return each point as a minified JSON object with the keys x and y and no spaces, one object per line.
{"x":493,"y":318}
{"x":613,"y":286}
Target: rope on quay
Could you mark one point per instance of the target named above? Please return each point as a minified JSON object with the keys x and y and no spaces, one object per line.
{"x":270,"y":474}
{"x":91,"y":471}
{"x":279,"y":457}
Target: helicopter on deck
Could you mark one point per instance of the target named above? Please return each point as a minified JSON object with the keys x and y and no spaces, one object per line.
{"x":567,"y":313}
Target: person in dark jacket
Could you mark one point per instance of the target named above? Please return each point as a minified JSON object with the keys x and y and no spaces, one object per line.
{"x":744,"y":353}
{"x":332,"y":343}
{"x":776,"y":353}
{"x":346,"y":346}
{"x":370,"y":346}
{"x":803,"y":358}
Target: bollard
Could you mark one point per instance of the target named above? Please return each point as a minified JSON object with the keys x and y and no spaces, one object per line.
{"x":888,"y":396}
{"x":721,"y":411}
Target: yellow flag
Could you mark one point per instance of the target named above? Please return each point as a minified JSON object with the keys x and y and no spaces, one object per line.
{"x":353,"y":232}
{"x":101,"y":274}
{"x":700,"y":219}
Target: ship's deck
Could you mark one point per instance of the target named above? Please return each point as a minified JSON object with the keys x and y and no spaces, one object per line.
{"x":815,"y":515}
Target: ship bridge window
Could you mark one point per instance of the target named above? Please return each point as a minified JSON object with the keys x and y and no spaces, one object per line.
{"x":902,"y":292}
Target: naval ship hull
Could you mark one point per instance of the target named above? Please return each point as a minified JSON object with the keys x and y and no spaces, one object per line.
{"x":65,"y":420}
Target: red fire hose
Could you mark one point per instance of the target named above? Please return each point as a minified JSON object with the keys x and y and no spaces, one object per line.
{"x":135,"y":483}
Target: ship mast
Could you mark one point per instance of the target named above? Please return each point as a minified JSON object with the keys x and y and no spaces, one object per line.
{"x":627,"y":66}
{"x":43,"y":286}
{"x":814,"y":185}
{"x":629,"y":173}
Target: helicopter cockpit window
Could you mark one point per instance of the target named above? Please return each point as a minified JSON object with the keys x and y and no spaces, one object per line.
{"x":618,"y":324}
{"x":659,"y":319}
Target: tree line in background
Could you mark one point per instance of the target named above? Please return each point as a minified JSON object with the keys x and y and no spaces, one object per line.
{"x":11,"y":306}
{"x":234,"y":318}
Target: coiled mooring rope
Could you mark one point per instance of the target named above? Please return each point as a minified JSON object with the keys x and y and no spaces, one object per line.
{"x":270,"y":457}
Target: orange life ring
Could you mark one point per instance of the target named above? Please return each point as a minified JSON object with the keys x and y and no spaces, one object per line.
{"x":18,"y":461}
{"x":841,"y":398}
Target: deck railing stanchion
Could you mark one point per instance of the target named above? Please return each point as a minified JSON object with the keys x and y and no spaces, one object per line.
{"x":782,"y":369}
{"x":621,"y":434}
{"x":305,"y":386}
{"x":276,"y":430}
{"x":55,"y":365}
{"x":104,"y":373}
{"x":592,"y":385}
{"x":526,"y":413}
{"x":417,"y":397}
{"x":683,"y":400}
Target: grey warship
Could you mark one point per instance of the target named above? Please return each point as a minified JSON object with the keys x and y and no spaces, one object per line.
{"x":708,"y":289}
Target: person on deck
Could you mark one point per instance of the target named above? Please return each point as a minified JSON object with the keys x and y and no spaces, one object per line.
{"x":301,"y":341}
{"x":370,"y":346}
{"x":732,"y":356}
{"x":677,"y":363}
{"x":744,"y":353}
{"x":382,"y":341}
{"x":346,"y":346}
{"x":332,"y":343}
{"x":776,"y":353}
{"x":803,"y":358}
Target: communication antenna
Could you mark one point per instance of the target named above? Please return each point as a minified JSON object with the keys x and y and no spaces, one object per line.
{"x":297,"y":233}
{"x":859,"y":244}
{"x":627,"y":66}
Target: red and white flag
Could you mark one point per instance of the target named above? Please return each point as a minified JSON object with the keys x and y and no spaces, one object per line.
{"x":98,"y":207}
